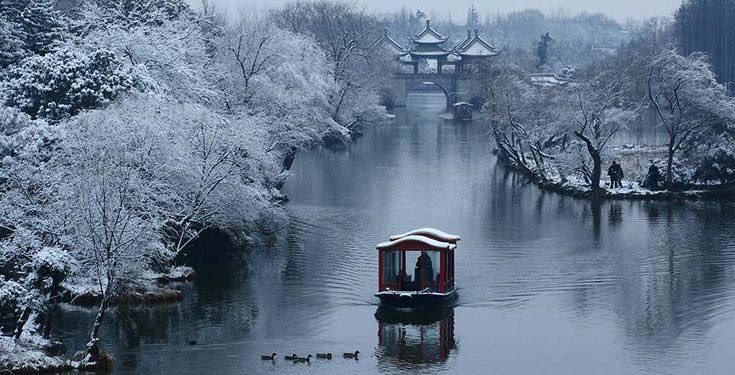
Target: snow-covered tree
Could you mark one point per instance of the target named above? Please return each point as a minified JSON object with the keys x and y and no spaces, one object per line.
{"x":685,"y":94}
{"x":601,"y":111}
{"x":525,"y":120}
{"x":177,"y":50}
{"x":473,"y":17}
{"x":44,"y":27}
{"x":61,"y":84}
{"x":129,"y":14}
{"x":12,"y":45}
{"x":345,"y":34}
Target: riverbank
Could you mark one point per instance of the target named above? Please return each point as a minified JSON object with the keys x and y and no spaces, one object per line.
{"x":631,"y":190}
{"x":154,"y":289}
{"x":32,"y":354}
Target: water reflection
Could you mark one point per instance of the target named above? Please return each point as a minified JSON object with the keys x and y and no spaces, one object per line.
{"x":407,"y":338}
{"x":550,"y":284}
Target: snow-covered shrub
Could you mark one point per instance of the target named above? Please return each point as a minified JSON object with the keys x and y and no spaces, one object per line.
{"x":53,"y":261}
{"x":63,"y":83}
{"x":11,"y":293}
{"x":717,"y":164}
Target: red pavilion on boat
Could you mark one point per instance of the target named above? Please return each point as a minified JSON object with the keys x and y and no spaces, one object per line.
{"x":417,"y":269}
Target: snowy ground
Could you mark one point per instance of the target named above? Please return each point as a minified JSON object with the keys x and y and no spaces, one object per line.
{"x":25,"y":353}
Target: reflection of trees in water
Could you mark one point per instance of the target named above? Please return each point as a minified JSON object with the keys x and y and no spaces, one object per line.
{"x":679,"y":282}
{"x":218,"y":307}
{"x":615,"y":214}
{"x":661,"y":267}
{"x":418,"y":337}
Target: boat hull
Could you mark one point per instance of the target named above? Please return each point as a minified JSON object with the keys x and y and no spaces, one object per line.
{"x":402,"y":299}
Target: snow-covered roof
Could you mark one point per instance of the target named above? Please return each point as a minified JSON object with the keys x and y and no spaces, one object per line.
{"x":458,"y":104}
{"x":429,"y":36}
{"x":548,"y":79}
{"x":431,"y":232}
{"x":465,"y":41}
{"x":386,"y":40}
{"x":407,"y":58}
{"x":421,"y":240}
{"x":454,"y":57}
{"x":476,"y":46}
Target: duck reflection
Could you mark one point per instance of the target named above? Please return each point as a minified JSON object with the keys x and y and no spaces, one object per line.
{"x":423,"y":336}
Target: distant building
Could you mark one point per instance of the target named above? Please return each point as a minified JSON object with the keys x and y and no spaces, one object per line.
{"x":549,"y":79}
{"x":428,"y":46}
{"x":389,"y":44}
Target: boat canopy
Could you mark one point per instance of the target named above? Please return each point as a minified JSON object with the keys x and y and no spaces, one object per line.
{"x":432,"y":233}
{"x":416,"y":243}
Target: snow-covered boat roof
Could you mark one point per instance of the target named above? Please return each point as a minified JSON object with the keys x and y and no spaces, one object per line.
{"x":422,"y":240}
{"x":458,"y":104}
{"x":430,"y":232}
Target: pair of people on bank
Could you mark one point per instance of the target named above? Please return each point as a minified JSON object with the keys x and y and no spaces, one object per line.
{"x":616,"y":175}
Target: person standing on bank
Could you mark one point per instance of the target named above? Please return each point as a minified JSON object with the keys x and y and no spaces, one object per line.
{"x":611,"y":173}
{"x":619,"y":174}
{"x":616,"y":175}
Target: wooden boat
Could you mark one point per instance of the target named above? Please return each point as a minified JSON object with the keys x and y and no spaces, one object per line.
{"x":432,"y":280}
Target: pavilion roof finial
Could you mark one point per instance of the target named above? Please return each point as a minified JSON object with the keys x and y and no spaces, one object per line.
{"x":477,"y":32}
{"x":385,"y":31}
{"x":428,"y":23}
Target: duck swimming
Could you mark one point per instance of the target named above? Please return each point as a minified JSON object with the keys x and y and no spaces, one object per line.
{"x":271,"y":357}
{"x":324,"y":355}
{"x":352,"y":355}
{"x":302,"y":360}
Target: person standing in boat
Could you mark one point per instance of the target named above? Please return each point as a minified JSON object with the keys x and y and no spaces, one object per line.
{"x":424,"y":273}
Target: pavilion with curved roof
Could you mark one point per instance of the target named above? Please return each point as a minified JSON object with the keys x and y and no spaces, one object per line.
{"x":430,"y":45}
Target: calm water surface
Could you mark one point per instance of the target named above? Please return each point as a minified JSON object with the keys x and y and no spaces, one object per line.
{"x":549,"y":284}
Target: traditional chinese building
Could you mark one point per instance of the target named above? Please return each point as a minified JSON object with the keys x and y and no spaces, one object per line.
{"x":429,"y":49}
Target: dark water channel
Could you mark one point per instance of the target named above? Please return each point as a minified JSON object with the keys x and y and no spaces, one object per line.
{"x":549,"y":284}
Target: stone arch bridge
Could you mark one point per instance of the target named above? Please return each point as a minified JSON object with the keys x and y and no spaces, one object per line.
{"x":462,"y":87}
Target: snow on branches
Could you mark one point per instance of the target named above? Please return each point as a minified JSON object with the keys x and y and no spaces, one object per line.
{"x":61,"y":84}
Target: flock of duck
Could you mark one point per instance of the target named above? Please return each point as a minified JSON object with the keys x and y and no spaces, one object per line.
{"x":296,"y":359}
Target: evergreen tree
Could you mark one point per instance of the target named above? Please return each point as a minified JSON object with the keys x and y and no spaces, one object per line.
{"x":11,"y":10}
{"x":12,"y":47}
{"x":542,"y":50}
{"x":43,"y":26}
{"x":473,"y":18}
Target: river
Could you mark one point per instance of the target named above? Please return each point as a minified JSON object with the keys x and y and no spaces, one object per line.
{"x":548,"y":284}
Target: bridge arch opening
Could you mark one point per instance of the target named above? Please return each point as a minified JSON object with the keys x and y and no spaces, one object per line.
{"x":428,"y":95}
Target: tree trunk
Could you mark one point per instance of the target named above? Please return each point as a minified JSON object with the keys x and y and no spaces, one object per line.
{"x":93,"y":351}
{"x":53,"y":294}
{"x":22,"y":322}
{"x":596,"y":162}
{"x":596,"y":171}
{"x":288,"y":160}
{"x":669,"y":167}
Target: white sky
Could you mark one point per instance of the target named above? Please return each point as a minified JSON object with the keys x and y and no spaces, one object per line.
{"x":617,"y":9}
